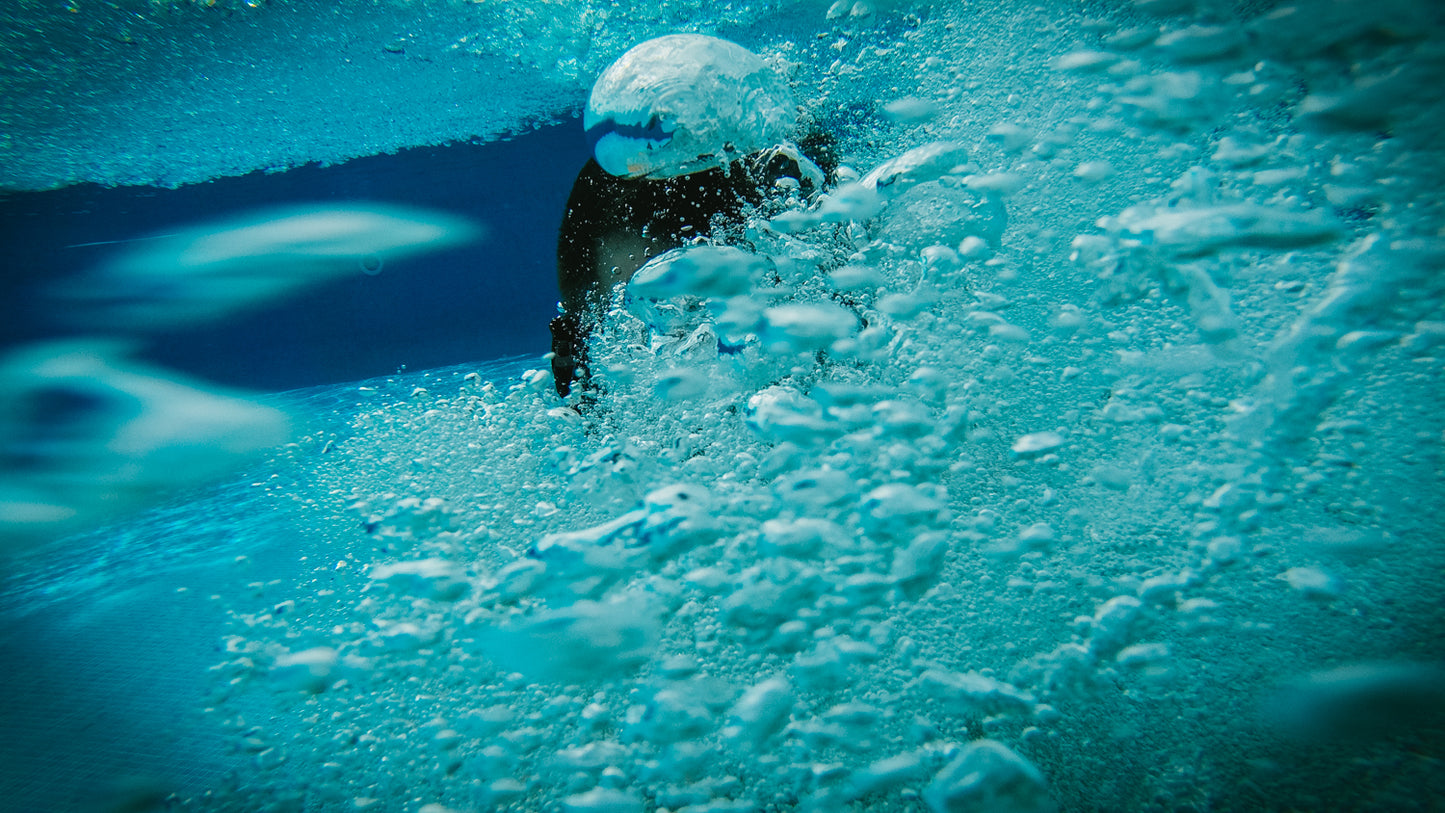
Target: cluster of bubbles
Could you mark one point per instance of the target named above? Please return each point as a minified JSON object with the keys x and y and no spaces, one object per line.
{"x":1077,"y":449}
{"x":574,"y":40}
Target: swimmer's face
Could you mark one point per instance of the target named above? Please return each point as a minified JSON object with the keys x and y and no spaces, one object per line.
{"x":629,"y":149}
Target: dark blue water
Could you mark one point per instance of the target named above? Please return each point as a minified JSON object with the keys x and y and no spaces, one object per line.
{"x":482,"y":301}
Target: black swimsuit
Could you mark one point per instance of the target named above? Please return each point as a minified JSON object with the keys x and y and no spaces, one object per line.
{"x":613,"y":225}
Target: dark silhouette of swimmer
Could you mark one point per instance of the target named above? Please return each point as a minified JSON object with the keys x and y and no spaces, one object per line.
{"x":615,"y":224}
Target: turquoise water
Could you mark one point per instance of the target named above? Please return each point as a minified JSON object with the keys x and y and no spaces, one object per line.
{"x":1094,"y":465}
{"x":110,"y":636}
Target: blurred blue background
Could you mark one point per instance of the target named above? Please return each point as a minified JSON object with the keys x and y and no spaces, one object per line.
{"x":485,"y":300}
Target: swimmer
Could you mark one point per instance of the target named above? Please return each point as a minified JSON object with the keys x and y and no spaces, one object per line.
{"x":688,"y":134}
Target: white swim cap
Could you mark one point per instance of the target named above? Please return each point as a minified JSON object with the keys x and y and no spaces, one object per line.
{"x":684,"y":103}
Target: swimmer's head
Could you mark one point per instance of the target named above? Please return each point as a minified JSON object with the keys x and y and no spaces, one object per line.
{"x":685,"y":103}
